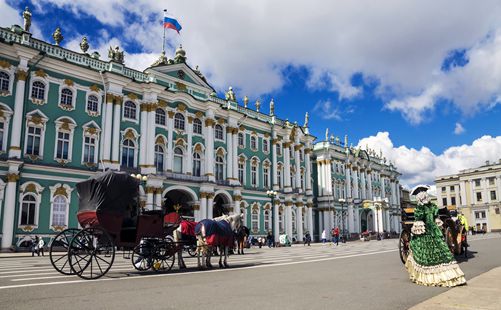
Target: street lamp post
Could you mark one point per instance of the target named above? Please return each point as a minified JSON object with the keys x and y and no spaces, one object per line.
{"x":273,"y":195}
{"x":142,"y":180}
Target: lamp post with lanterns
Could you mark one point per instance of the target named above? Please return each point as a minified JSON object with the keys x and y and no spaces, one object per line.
{"x":273,"y":195}
{"x":142,"y":180}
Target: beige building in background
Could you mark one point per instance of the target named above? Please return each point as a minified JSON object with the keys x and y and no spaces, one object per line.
{"x":476,"y":192}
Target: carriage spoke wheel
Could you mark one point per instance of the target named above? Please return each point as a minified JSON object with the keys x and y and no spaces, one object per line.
{"x":404,"y":245}
{"x":60,"y":245}
{"x":192,"y":250}
{"x":142,"y":256}
{"x":164,"y":256}
{"x":91,"y":253}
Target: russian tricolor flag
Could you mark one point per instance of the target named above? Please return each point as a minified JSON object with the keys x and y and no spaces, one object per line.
{"x":172,"y":23}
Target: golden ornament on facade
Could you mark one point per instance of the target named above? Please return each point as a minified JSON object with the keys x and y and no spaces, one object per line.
{"x":40,"y":73}
{"x":196,"y":207}
{"x":129,"y":134}
{"x":30,"y":188}
{"x":144,"y":107}
{"x":288,"y":203}
{"x":210,"y":195}
{"x":109,"y":98}
{"x":181,"y":107}
{"x":1,"y":112}
{"x":69,"y":82}
{"x":220,"y":152}
{"x":190,"y":119}
{"x":237,"y":197}
{"x":65,"y":125}
{"x":12,"y":177}
{"x":91,"y":130}
{"x":209,"y":122}
{"x":61,"y":191}
{"x":180,"y":142}
{"x":199,"y":114}
{"x":132,"y":96}
{"x":28,"y":228}
{"x":241,"y":128}
{"x":150,"y":190}
{"x":57,"y":228}
{"x":158,"y":190}
{"x":160,"y":140}
{"x":181,"y":86}
{"x":21,"y":75}
{"x":198,"y":147}
{"x":255,"y":206}
{"x":94,"y":88}
{"x":171,"y":114}
{"x":162,"y":103}
{"x":221,"y":121}
{"x":5,"y":64}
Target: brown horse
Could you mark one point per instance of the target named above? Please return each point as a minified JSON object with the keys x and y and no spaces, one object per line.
{"x":241,"y":236}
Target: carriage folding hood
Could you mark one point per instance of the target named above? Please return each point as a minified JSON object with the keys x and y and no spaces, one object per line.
{"x":108,"y":191}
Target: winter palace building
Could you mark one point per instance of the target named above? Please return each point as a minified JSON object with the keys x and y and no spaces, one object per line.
{"x":65,"y":115}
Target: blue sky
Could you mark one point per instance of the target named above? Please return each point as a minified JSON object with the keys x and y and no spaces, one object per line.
{"x":419,"y":80}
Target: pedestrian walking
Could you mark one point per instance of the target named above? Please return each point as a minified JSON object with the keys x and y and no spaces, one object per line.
{"x":34,"y":245}
{"x":324,"y":236}
{"x":41,"y":244}
{"x":307,"y":238}
{"x":335,"y":235}
{"x":269,"y":239}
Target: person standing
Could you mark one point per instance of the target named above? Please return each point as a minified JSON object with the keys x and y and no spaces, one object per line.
{"x":430,"y":262}
{"x":335,"y":235}
{"x":269,"y":239}
{"x":324,"y":236}
{"x":41,"y":244}
{"x":307,"y":238}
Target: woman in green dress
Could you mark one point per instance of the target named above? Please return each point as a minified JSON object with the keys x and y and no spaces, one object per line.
{"x":430,"y":262}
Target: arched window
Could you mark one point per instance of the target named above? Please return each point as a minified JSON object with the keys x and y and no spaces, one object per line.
{"x":130,"y":110}
{"x":89,"y":149}
{"x":4,"y":81}
{"x":178,"y":160}
{"x":254,"y":174}
{"x":159,"y":157}
{"x":255,"y":220}
{"x":63,"y":145}
{"x":267,"y":220}
{"x":218,"y":132}
{"x":59,"y":208}
{"x":219,"y":168}
{"x":197,"y":126}
{"x":28,"y":210}
{"x":266,"y":176}
{"x":92,"y":103}
{"x":241,"y":140}
{"x":179,"y":121}
{"x":128,"y":149}
{"x":279,"y":177}
{"x":160,"y":117}
{"x":38,"y":90}
{"x":266,"y":148}
{"x":197,"y":164}
{"x":66,"y":97}
{"x":241,"y":172}
{"x":34,"y":138}
{"x":253,"y":142}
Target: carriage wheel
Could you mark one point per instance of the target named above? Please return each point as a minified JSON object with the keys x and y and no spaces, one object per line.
{"x":91,"y":253}
{"x":61,"y":244}
{"x":142,"y":256}
{"x":404,"y":245}
{"x":192,"y":250}
{"x":164,"y":256}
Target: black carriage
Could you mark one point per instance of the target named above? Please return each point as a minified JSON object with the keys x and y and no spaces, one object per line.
{"x":454,"y":233}
{"x":112,"y":219}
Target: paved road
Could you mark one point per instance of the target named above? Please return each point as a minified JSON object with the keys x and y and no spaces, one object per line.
{"x":357,"y":275}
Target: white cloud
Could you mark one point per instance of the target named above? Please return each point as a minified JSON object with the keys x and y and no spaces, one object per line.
{"x":414,"y":108}
{"x":459,"y":129}
{"x":325,"y":109}
{"x":423,"y":166}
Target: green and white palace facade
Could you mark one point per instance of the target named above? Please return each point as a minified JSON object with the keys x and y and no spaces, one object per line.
{"x":66,"y":115}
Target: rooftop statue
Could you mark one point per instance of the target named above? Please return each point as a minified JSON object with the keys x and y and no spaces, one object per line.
{"x":258,"y":105}
{"x":116,"y":55}
{"x":230,"y":95}
{"x":272,"y":107}
{"x":180,"y":56}
{"x":345,"y":140}
{"x":27,"y":19}
{"x":327,"y":134}
{"x":58,"y":36}
{"x":306,"y":119}
{"x":162,"y":60}
{"x":246,"y":101}
{"x":84,"y":45}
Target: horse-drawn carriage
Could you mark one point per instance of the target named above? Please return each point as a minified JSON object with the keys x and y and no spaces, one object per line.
{"x":454,"y":232}
{"x":111,"y":218}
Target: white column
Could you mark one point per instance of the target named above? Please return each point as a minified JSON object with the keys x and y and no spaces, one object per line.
{"x":229,"y":153}
{"x":276,"y":229}
{"x":457,"y":194}
{"x":209,"y":152}
{"x":143,"y":137}
{"x":115,"y":150}
{"x":462,"y":188}
{"x":196,"y":212}
{"x":203,"y":206}
{"x":9,"y":208}
{"x":310,"y":220}
{"x":288,"y":219}
{"x":151,"y":140}
{"x":487,"y":197}
{"x":108,"y":128}
{"x":348,"y":182}
{"x":307,"y":163}
{"x":498,"y":194}
{"x":448,"y":195}
{"x":170,"y":143}
{"x":472,"y":190}
{"x":17,"y":119}
{"x":320,"y":224}
{"x":299,"y":216}
{"x":326,"y":225}
{"x":327,"y":177}
{"x":356,"y":193}
{"x":189,"y":147}
{"x":320,"y":170}
{"x":387,"y":214}
{"x":287,"y":166}
{"x":383,"y":190}
{"x":363,"y":189}
{"x":210,"y":206}
{"x":274,"y":165}
{"x":235,"y":154}
{"x":297,"y":161}
{"x":369,"y":180}
{"x":149,"y":198}
{"x":350,"y":219}
{"x":158,"y":198}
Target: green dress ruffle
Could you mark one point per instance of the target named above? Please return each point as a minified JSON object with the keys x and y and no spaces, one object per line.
{"x":430,"y":261}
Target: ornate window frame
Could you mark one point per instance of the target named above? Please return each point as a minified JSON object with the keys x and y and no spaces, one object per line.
{"x":267,"y":223}
{"x":11,"y":72}
{"x":255,"y":164}
{"x":60,"y":190}
{"x":92,"y":130}
{"x":70,"y":86}
{"x":266,"y":142}
{"x":267,"y":165}
{"x":200,"y":150}
{"x":129,"y":134}
{"x":35,"y":119}
{"x":42,"y":79}
{"x":136,"y":107}
{"x":99,"y":102}
{"x":5,"y":116}
{"x":184,"y":121}
{"x":241,"y":146}
{"x":34,"y":189}
{"x":254,"y":137}
{"x":255,"y":210}
{"x":242,"y":159}
{"x":165,"y":117}
{"x":65,"y":124}
{"x":220,"y":152}
{"x":222,"y":138}
{"x":200,"y":134}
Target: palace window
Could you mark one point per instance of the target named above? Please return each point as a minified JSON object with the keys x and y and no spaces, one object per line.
{"x":491,"y":181}
{"x":63,"y":145}
{"x":92,"y":104}
{"x":178,"y":160}
{"x":197,"y":126}
{"x":443,"y":189}
{"x":266,"y":176}
{"x":66,"y":97}
{"x":267,"y":220}
{"x":479,"y":196}
{"x":38,"y":90}
{"x":241,"y":140}
{"x":254,"y":175}
{"x":477,"y":183}
{"x":28,"y":210}
{"x":128,"y":153}
{"x":218,"y":132}
{"x":493,"y":195}
{"x":480,"y":214}
{"x":160,"y":117}
{"x":33,"y":142}
{"x":4,"y":81}
{"x":197,"y":165}
{"x":266,"y":147}
{"x":59,"y":208}
{"x":89,"y":149}
{"x":255,"y":220}
{"x":453,"y":201}
{"x":241,"y":172}
{"x":279,"y":177}
{"x":159,"y":158}
{"x":179,"y":121}
{"x":130,"y":110}
{"x":219,"y":168}
{"x":253,"y":143}
{"x":451,"y":188}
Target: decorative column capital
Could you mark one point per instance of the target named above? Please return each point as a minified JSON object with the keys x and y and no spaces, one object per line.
{"x":171,"y":114}
{"x":237,"y":197}
{"x":150,"y":190}
{"x":12,"y":177}
{"x":209,"y":122}
{"x":298,"y":147}
{"x":158,"y":191}
{"x":196,"y":207}
{"x":203,"y":195}
{"x":21,"y":75}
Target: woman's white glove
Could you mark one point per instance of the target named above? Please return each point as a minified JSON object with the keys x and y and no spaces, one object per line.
{"x":439,"y":222}
{"x":418,"y":228}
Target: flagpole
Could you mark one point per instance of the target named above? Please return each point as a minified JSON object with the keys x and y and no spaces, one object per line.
{"x":163,"y":42}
